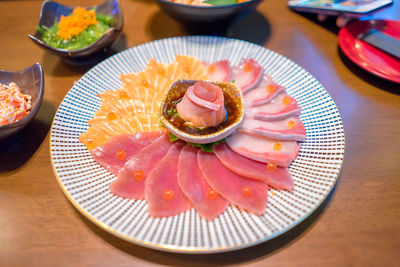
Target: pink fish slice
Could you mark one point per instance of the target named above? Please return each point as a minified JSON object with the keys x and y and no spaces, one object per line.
{"x":287,"y":129}
{"x":207,"y":202}
{"x":263,"y":93}
{"x":281,"y":107}
{"x":276,"y":177}
{"x":119,"y":149}
{"x":246,"y":193}
{"x":263,"y":149}
{"x":132,"y":176}
{"x":219,"y":71}
{"x":162,"y":191}
{"x":247,"y":75}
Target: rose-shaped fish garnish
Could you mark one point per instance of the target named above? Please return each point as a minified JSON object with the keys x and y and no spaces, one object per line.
{"x":202,"y":105}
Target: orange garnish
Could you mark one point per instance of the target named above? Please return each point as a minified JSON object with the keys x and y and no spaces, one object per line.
{"x":277,"y":146}
{"x":247,"y":67}
{"x":291,"y":124}
{"x":138,"y":175}
{"x":271,"y":166}
{"x":212,"y":194}
{"x":169,"y":194}
{"x":120,"y":155}
{"x":161,"y":71}
{"x":211,"y":68}
{"x":123,"y":94}
{"x":247,"y":191}
{"x":111,"y":116}
{"x":75,"y":23}
{"x":145,"y":83}
{"x":286,"y":100}
{"x":90,"y":144}
{"x":271,"y":88}
{"x":186,"y":69}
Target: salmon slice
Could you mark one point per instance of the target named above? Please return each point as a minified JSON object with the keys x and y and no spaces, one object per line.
{"x":119,"y":149}
{"x":193,"y":67}
{"x":132,"y":176}
{"x":162,"y":191}
{"x":219,"y":71}
{"x":277,"y":177}
{"x":207,"y":202}
{"x":172,"y":72}
{"x":291,"y":128}
{"x":263,"y":93}
{"x":249,"y":194}
{"x":281,"y":107}
{"x":247,"y":75}
{"x":101,"y":132}
{"x":264,"y":149}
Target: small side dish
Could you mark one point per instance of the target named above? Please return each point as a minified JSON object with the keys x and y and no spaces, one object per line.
{"x":78,"y":30}
{"x":14,"y":105}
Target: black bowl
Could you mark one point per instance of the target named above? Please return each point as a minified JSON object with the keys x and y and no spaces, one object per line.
{"x":51,"y":13}
{"x":207,"y":18}
{"x":31,"y":82}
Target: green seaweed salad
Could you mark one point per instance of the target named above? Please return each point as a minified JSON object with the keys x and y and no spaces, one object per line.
{"x":85,"y":38}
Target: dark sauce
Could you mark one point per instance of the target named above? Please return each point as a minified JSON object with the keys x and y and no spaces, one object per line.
{"x":231,"y":102}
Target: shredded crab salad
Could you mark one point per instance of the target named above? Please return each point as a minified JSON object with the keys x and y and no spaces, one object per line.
{"x":14,"y":105}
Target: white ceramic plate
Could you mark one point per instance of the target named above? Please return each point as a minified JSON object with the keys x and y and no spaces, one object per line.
{"x":85,"y":183}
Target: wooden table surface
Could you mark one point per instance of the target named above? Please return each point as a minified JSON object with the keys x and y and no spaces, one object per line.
{"x":358,"y":225}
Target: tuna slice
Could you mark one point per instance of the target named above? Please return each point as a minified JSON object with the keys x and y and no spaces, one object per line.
{"x":263,"y":93}
{"x":204,"y":199}
{"x":132,"y":176}
{"x":202,"y":105}
{"x":279,"y":178}
{"x":287,"y":129}
{"x":119,"y":149}
{"x":162,"y":191}
{"x":247,"y":75}
{"x":219,"y":71}
{"x":263,"y":149}
{"x":283,"y":106}
{"x":246,"y":193}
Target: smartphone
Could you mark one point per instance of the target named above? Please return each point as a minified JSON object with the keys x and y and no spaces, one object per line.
{"x":350,"y":8}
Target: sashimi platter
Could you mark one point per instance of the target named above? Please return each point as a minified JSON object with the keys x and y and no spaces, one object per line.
{"x":197,"y":144}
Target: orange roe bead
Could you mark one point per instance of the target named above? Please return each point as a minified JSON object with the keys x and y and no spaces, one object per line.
{"x":138,"y":175}
{"x":169,"y":194}
{"x":145,"y":83}
{"x":271,"y":88}
{"x":291,"y":124}
{"x":120,"y":155}
{"x":277,"y":146}
{"x":247,"y":191}
{"x":123,"y":94}
{"x":211,"y":68}
{"x":111,"y":116}
{"x":90,"y":144}
{"x":212,"y":194}
{"x":286,"y":100}
{"x":161,"y":71}
{"x":271,"y":166}
{"x":186,"y":69}
{"x":247,"y":67}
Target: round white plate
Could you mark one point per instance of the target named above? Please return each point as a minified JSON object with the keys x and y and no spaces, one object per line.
{"x":85,"y":183}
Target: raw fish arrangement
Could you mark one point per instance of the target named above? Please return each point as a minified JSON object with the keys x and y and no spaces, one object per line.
{"x":127,"y":138}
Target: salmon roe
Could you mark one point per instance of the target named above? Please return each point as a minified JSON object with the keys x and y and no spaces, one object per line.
{"x":247,"y":191}
{"x":291,"y":124}
{"x":277,"y":146}
{"x":111,"y":116}
{"x":160,"y":71}
{"x":271,"y":166}
{"x":247,"y":67}
{"x":120,"y":155}
{"x":286,"y":100}
{"x":211,"y":68}
{"x":186,"y":69}
{"x":169,"y":194}
{"x":271,"y":88}
{"x":91,"y":144}
{"x":212,"y":194}
{"x":145,"y":83}
{"x":138,"y":175}
{"x":123,"y":95}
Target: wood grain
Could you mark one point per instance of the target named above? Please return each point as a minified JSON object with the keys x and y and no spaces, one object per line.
{"x":358,"y":225}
